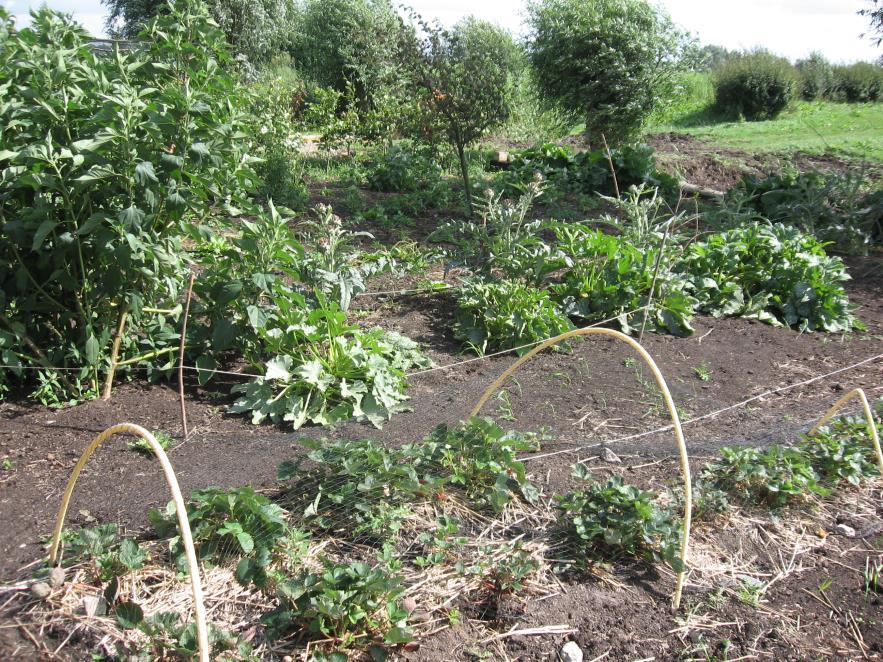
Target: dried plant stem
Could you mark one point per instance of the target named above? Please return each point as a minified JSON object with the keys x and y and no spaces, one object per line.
{"x":115,"y":352}
{"x":181,"y":509}
{"x":653,"y":282}
{"x":186,"y":432}
{"x":610,"y":162}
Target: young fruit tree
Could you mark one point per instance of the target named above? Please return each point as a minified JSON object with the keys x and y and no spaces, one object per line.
{"x":609,"y":63}
{"x":465,"y":74}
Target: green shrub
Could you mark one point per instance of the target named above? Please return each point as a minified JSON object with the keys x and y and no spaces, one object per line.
{"x":607,"y":62}
{"x":756,"y":86}
{"x":613,"y":519}
{"x":566,"y":171}
{"x":324,"y":370}
{"x":398,"y":170}
{"x":858,"y":83}
{"x":611,"y":278}
{"x":691,"y":98}
{"x":346,"y":45}
{"x":107,"y":164}
{"x":255,"y":29}
{"x":773,"y":273}
{"x":833,"y":206}
{"x":816,"y":77}
{"x":506,"y":314}
{"x":463,"y":78}
{"x":281,"y":179}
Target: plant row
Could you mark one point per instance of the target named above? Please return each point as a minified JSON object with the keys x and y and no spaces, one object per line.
{"x":532,"y":280}
{"x":412,"y":506}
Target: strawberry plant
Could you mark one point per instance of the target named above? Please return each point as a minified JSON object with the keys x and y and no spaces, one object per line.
{"x":234,"y":524}
{"x":100,"y":544}
{"x":479,"y":458}
{"x":775,"y":475}
{"x":616,"y":519}
{"x":343,"y":602}
{"x":371,"y":490}
{"x":359,"y":485}
{"x":841,"y":451}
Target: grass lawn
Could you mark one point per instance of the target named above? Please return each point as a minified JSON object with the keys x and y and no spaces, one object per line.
{"x":850,"y":130}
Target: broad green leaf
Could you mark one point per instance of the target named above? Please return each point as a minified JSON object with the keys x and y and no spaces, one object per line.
{"x":144,"y":173}
{"x":278,"y":368}
{"x":129,"y":615}
{"x":42,"y":232}
{"x":206,"y":369}
{"x":92,"y":350}
{"x":131,"y":554}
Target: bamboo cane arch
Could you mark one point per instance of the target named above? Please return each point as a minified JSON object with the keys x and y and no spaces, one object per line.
{"x":872,"y":427}
{"x":669,"y":403}
{"x":181,"y":508}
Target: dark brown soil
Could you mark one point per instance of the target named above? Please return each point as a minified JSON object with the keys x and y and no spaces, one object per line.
{"x":703,"y":164}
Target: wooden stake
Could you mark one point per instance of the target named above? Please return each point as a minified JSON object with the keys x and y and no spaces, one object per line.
{"x":610,"y":161}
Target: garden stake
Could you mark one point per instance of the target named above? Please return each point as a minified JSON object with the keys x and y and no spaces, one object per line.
{"x":181,"y":356}
{"x":612,"y":169}
{"x":653,"y":283}
{"x":669,"y":403}
{"x":180,"y":506}
{"x":117,"y":341}
{"x":872,"y":427}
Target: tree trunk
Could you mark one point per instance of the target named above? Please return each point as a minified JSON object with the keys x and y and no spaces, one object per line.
{"x":464,"y":170}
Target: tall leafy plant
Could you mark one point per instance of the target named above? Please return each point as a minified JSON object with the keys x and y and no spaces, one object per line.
{"x":106,"y":160}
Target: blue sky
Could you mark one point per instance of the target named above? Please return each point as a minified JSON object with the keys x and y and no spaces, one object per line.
{"x":792,"y":28}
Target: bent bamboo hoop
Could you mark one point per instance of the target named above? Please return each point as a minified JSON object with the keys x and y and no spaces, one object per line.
{"x":183,"y":523}
{"x":669,"y":403}
{"x":872,"y":428}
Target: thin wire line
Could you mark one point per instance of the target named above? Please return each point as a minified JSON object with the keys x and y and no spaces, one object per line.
{"x":712,"y":414}
{"x":449,"y":366}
